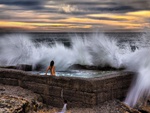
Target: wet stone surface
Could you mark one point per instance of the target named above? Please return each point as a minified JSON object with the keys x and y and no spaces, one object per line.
{"x":10,"y":104}
{"x":18,"y":100}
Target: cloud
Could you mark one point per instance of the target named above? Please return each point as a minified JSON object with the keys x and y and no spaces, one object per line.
{"x":137,"y":4}
{"x":26,"y":4}
{"x":20,"y":3}
{"x":68,"y":8}
{"x":106,"y":18}
{"x":108,"y":5}
{"x":120,"y":9}
{"x":108,"y":14}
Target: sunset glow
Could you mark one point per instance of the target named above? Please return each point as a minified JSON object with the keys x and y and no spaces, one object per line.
{"x":61,"y":16}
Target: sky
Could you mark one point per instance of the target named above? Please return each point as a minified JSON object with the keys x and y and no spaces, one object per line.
{"x":74,"y":15}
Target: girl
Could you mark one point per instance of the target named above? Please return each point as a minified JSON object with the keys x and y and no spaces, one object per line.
{"x":51,"y":68}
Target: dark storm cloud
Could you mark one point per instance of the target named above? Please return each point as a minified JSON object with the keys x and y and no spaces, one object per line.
{"x":121,"y":6}
{"x":88,"y":7}
{"x":83,"y":7}
{"x":110,"y":9}
{"x":90,"y":3}
{"x":20,"y":3}
{"x":47,"y":10}
{"x":138,"y":4}
{"x":31,"y":4}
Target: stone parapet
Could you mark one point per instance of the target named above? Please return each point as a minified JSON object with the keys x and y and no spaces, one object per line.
{"x":79,"y":92}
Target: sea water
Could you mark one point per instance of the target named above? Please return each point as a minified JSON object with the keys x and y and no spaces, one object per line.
{"x":78,"y":73}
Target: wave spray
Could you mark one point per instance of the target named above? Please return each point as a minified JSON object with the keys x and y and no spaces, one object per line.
{"x":96,"y":50}
{"x":139,"y":62}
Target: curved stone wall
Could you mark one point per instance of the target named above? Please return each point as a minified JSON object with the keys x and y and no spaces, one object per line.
{"x":79,"y":92}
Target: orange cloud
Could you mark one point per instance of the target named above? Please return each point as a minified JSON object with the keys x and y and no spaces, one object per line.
{"x":143,"y":13}
{"x":131,"y":20}
{"x":104,"y":22}
{"x":114,"y":16}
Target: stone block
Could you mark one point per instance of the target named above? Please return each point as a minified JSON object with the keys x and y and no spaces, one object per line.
{"x":103,"y":96}
{"x":71,"y":83}
{"x":53,"y":101}
{"x":36,"y":79}
{"x":36,"y":87}
{"x":78,"y":105}
{"x":55,"y":91}
{"x":11,"y":73}
{"x":78,"y":96}
{"x":9,"y":81}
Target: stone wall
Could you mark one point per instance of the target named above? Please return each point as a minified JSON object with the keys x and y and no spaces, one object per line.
{"x":79,"y":92}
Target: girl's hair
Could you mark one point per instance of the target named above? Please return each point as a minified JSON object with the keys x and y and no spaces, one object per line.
{"x":52,"y":63}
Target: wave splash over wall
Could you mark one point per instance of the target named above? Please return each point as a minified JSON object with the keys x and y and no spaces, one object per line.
{"x":97,"y":49}
{"x":139,"y":62}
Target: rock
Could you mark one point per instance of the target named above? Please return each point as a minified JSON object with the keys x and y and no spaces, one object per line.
{"x":24,"y":67}
{"x":127,"y":108}
{"x":15,"y":104}
{"x":145,"y":109}
{"x":2,"y":89}
{"x":8,"y":67}
{"x":10,"y":104}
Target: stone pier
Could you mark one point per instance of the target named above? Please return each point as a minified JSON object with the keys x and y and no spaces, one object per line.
{"x":79,"y":92}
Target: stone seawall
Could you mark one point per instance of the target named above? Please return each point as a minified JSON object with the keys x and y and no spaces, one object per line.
{"x":79,"y":92}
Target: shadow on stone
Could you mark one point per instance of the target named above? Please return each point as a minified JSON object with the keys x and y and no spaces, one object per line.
{"x":106,"y":68}
{"x":24,"y":67}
